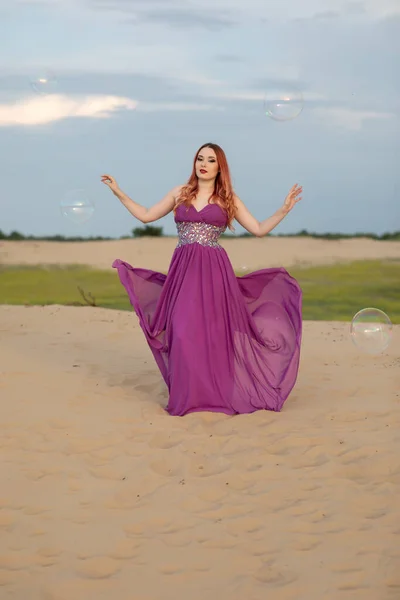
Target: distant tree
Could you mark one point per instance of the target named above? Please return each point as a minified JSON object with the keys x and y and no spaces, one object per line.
{"x":148,"y":231}
{"x":16,"y":236}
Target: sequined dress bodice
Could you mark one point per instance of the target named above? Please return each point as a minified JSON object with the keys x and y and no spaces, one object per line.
{"x":203,"y":227}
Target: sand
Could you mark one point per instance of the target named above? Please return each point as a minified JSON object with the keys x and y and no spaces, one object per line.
{"x":106,"y":497}
{"x":154,"y":253}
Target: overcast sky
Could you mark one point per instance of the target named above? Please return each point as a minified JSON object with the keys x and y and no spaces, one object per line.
{"x":140,"y":84}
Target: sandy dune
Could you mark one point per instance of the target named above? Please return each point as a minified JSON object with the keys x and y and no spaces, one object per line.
{"x":104,"y":496}
{"x":153,"y":253}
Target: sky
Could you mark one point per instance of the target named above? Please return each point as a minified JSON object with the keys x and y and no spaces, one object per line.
{"x":136,"y":86}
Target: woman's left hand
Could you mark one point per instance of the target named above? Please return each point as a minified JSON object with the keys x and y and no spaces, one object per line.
{"x":292,"y":198}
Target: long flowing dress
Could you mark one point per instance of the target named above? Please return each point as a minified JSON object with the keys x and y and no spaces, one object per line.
{"x":222,"y":343}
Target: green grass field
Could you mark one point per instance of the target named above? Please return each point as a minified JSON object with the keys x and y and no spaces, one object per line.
{"x":333,"y":292}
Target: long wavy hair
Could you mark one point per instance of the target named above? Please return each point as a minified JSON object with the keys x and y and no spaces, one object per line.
{"x":223,"y":192}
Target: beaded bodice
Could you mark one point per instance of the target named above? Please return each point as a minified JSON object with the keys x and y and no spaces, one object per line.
{"x":200,"y":233}
{"x":203,"y":227}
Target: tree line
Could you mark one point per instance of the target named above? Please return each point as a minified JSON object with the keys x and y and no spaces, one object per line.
{"x":151,"y":231}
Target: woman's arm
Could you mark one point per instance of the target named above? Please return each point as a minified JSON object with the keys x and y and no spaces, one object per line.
{"x":143,"y":214}
{"x":260,"y":229}
{"x":148,"y":215}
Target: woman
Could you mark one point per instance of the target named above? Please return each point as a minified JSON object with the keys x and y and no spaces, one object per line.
{"x":222,"y":343}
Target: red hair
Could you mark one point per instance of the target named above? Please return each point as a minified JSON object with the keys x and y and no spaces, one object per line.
{"x":223,"y":192}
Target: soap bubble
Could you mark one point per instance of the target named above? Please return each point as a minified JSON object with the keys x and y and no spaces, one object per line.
{"x":77,"y":207}
{"x":371,"y":330}
{"x":44,"y":82}
{"x":283,"y":104}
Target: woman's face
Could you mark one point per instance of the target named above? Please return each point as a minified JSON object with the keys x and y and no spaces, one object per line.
{"x":206,"y":164}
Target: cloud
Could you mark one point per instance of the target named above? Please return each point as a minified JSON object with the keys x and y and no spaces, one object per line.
{"x":349,"y":119}
{"x":250,"y":10}
{"x":355,"y":8}
{"x":48,"y":109}
{"x":187,"y":18}
{"x":176,"y":106}
{"x":326,"y":15}
{"x":226,"y":57}
{"x":177,"y":15}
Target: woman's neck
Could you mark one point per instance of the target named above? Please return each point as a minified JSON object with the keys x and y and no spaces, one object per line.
{"x":205,"y":188}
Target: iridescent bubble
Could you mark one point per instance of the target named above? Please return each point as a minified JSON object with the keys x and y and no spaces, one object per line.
{"x":371,"y":330}
{"x":283,"y":104}
{"x":77,"y":207}
{"x":43,"y":82}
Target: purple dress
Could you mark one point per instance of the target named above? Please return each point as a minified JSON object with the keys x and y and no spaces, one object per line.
{"x":222,"y":343}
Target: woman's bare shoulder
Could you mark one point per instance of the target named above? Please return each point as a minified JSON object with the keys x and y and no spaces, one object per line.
{"x":177,"y":191}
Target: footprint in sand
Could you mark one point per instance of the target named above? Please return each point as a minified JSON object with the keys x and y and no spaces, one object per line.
{"x":260,"y":548}
{"x":134,"y":493}
{"x":234,"y":447}
{"x":61,"y":424}
{"x":393,"y":582}
{"x":167,"y":467}
{"x":126,"y":550}
{"x":244,"y":526}
{"x":346,"y":567}
{"x":213,"y":494}
{"x":49,"y":552}
{"x":85,"y":445}
{"x":82,"y":519}
{"x":125,"y":500}
{"x":100,"y":567}
{"x":7,"y":521}
{"x":310,"y":459}
{"x":43,"y":561}
{"x":179,"y":540}
{"x":35,"y":510}
{"x":305,"y":543}
{"x":144,"y":529}
{"x":158,"y":526}
{"x":238,"y":483}
{"x":207,"y":467}
{"x":133,"y":449}
{"x":303,"y":511}
{"x":36,"y":474}
{"x":81,"y":588}
{"x":165,"y":441}
{"x":217,"y":543}
{"x":110,"y":473}
{"x":37,"y":533}
{"x":6,"y":578}
{"x":225,"y":512}
{"x":16,"y":562}
{"x":74,"y":485}
{"x":317,"y":517}
{"x":354,"y":585}
{"x":196,"y":505}
{"x":171,"y":569}
{"x":275,"y":575}
{"x":107,"y":454}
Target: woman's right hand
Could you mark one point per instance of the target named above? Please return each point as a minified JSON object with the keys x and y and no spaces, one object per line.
{"x":110,"y":181}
